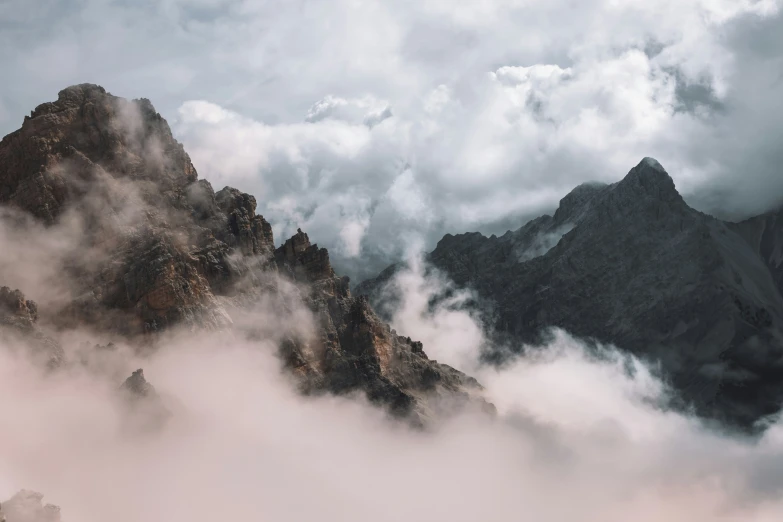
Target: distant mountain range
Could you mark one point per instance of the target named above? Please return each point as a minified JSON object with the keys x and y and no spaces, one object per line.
{"x":633,"y":265}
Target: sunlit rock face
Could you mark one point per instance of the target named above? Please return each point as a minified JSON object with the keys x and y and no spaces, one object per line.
{"x":632,"y":264}
{"x":152,"y":248}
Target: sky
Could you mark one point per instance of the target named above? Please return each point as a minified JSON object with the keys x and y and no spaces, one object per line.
{"x":373,"y":123}
{"x":375,"y":126}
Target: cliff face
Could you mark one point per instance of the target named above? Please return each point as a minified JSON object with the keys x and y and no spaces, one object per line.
{"x":631,"y":264}
{"x":159,"y":248}
{"x":18,"y":323}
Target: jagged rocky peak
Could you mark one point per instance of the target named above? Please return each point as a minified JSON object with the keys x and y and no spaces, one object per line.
{"x":648,"y":182}
{"x":305,"y":261}
{"x":650,"y":179}
{"x":252,"y":232}
{"x":64,"y":146}
{"x":356,"y":350}
{"x":462,"y":240}
{"x":647,"y":192}
{"x":103,"y":157}
{"x":74,"y":96}
{"x":230,"y":199}
{"x":697,"y":297}
{"x":295,"y":245}
{"x":28,"y":506}
{"x":137,"y":386}
{"x":189,"y":257}
{"x":145,"y":409}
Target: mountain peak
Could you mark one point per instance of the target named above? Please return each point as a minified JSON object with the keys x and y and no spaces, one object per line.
{"x":138,"y":386}
{"x":71,"y":97}
{"x":65,"y":146}
{"x":652,"y":163}
{"x":574,"y":204}
{"x":154,"y":249}
{"x":651,"y":179}
{"x":81,"y":89}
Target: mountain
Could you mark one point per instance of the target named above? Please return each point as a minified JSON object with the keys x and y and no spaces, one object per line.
{"x":633,"y":265}
{"x":135,"y":245}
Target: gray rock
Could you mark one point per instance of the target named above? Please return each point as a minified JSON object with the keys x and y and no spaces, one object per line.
{"x":638,"y":268}
{"x":357,"y":351}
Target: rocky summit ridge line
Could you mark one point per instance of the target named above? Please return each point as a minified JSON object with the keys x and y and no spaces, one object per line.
{"x":152,"y":247}
{"x":633,"y":265}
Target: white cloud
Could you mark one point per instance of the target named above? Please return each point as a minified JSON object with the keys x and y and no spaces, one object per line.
{"x":242,"y":442}
{"x":367,"y":110}
{"x":248,"y":447}
{"x":433,"y":116}
{"x":498,"y":109}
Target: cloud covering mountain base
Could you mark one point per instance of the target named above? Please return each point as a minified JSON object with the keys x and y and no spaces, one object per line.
{"x":577,"y":437}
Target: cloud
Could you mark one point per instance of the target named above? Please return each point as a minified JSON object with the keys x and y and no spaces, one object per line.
{"x":489,"y":114}
{"x":366,"y":110}
{"x":431,"y":119}
{"x":297,"y":165}
{"x":572,"y":425}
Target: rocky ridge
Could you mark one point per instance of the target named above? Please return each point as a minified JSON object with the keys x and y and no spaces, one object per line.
{"x":157,"y":248}
{"x":633,"y":265}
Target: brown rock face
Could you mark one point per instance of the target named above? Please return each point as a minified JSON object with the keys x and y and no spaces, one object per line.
{"x":357,"y":351}
{"x":159,"y":248}
{"x":63,"y":145}
{"x":160,"y":240}
{"x":18,"y":318}
{"x":15,"y":310}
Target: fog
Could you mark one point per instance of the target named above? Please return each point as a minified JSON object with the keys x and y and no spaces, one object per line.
{"x":577,"y":436}
{"x":580,"y":434}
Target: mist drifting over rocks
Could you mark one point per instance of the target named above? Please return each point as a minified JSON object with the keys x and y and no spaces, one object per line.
{"x":165,"y":358}
{"x":631,"y":264}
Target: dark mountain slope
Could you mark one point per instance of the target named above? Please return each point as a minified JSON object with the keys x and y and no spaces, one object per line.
{"x":637,"y":267}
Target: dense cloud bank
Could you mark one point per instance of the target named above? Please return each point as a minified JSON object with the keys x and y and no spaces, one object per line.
{"x":389,"y":121}
{"x":360,"y":122}
{"x":578,"y":437}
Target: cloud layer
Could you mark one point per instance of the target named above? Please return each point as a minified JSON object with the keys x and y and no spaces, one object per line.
{"x":373,"y":124}
{"x":578,"y":437}
{"x":362,"y":121}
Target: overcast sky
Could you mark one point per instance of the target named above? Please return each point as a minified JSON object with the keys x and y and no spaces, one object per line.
{"x":369,"y":123}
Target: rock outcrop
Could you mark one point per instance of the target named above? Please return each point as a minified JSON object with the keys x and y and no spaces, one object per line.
{"x":27,"y":506}
{"x":156,"y":248}
{"x":633,"y":265}
{"x":18,"y":324}
{"x":145,"y":409}
{"x":356,"y":350}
